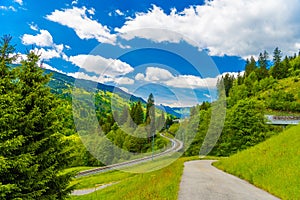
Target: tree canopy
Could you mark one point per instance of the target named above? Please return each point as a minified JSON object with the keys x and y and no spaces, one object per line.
{"x":33,"y":149}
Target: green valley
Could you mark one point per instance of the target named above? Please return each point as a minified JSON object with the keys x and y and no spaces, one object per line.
{"x":56,"y":126}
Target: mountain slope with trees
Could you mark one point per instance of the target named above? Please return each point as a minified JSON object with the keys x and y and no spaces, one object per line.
{"x":262,"y":89}
{"x":59,"y":83}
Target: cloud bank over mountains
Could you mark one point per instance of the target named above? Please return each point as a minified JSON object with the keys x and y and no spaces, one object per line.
{"x":240,"y":28}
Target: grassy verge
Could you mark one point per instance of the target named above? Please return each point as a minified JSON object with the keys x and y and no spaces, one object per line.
{"x":77,"y":169}
{"x":160,"y":184}
{"x":100,"y":179}
{"x":273,"y":165}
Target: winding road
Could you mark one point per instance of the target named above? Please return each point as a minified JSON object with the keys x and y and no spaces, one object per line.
{"x":200,"y":180}
{"x":176,"y":146}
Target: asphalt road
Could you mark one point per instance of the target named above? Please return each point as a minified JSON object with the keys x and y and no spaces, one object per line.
{"x":200,"y":180}
{"x":176,"y":146}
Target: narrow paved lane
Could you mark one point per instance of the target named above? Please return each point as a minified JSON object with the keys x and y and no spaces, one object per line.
{"x":200,"y":180}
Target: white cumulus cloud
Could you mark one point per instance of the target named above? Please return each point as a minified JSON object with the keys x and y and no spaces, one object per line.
{"x":91,"y":11}
{"x":187,"y":81}
{"x":124,"y":81}
{"x":46,"y":66}
{"x":85,"y":28}
{"x":47,"y":54}
{"x":119,"y":12}
{"x":223,"y":26}
{"x":139,"y":77}
{"x":165,"y":77}
{"x":157,"y":74}
{"x":102,"y":79}
{"x":82,"y":75}
{"x":8,"y":8}
{"x":43,"y":39}
{"x":74,"y":2}
{"x":33,"y":27}
{"x":19,"y":2}
{"x":100,"y":65}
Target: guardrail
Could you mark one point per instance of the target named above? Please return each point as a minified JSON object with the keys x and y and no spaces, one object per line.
{"x":283,"y":120}
{"x":176,"y":146}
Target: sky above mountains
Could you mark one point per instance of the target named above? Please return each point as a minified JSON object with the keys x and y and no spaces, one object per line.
{"x":174,"y":49}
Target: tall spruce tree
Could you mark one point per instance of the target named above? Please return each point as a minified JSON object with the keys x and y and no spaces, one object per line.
{"x":32,"y":147}
{"x":263,"y":65}
{"x":9,"y":112}
{"x":138,"y":113}
{"x":277,"y":70}
{"x":150,"y":115}
{"x":286,"y":65}
{"x":250,"y":66}
{"x":132,"y":111}
{"x":226,"y":82}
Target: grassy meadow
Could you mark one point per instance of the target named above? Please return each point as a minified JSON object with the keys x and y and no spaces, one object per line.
{"x":159,"y":184}
{"x":273,"y":165}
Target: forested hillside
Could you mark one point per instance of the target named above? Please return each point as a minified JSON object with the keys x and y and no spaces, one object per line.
{"x":117,"y":115}
{"x":60,"y":83}
{"x":264,"y":88}
{"x":123,"y":120}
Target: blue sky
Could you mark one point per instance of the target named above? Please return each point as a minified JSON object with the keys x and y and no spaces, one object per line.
{"x":175,"y":49}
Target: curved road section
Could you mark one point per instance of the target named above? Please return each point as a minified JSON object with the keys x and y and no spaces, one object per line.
{"x":200,"y":180}
{"x":176,"y":146}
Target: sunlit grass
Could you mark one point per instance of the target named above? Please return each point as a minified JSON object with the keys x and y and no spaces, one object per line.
{"x":96,"y":180}
{"x":159,"y":184}
{"x":156,"y":164}
{"x":273,"y":165}
{"x":77,"y":169}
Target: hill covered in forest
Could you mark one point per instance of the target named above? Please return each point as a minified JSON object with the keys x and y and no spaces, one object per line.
{"x":60,"y":83}
{"x":262,"y":89}
{"x":118,"y":113}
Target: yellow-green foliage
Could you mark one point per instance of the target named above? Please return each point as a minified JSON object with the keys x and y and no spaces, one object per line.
{"x":273,"y":165}
{"x":290,"y":84}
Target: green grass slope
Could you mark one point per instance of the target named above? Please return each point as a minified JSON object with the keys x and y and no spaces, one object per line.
{"x":273,"y":165}
{"x":162,"y":184}
{"x":159,"y":185}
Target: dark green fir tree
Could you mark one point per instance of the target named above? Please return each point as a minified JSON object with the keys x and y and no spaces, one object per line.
{"x":33,"y":149}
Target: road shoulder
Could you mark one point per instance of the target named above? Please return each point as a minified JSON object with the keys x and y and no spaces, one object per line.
{"x":200,"y":180}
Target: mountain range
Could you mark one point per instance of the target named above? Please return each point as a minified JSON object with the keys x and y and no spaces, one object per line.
{"x":60,"y":82}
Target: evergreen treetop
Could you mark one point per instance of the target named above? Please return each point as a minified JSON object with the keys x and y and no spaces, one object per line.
{"x":33,"y":149}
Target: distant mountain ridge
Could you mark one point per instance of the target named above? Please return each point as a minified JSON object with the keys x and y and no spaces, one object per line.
{"x":60,"y":81}
{"x":179,"y":112}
